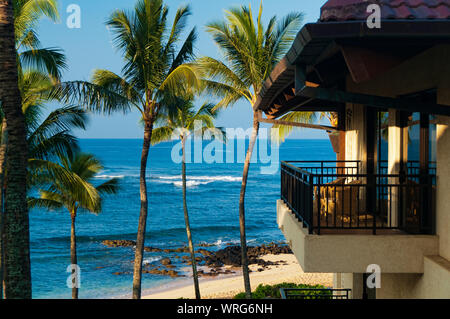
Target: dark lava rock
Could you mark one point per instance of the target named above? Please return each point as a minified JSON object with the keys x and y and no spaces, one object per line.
{"x":204,"y":252}
{"x":121,"y":273}
{"x":119,"y":243}
{"x":206,"y":245}
{"x":152,"y":250}
{"x":166,"y":261}
{"x":231,"y":255}
{"x":163,"y":272}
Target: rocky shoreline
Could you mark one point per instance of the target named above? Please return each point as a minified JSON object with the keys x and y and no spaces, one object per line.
{"x":221,"y":262}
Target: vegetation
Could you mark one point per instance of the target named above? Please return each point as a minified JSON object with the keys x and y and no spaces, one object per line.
{"x":154,"y":68}
{"x":273,"y":291}
{"x":158,"y":80}
{"x":74,"y":191}
{"x":18,"y":19}
{"x":39,"y":70}
{"x":181,"y":122}
{"x":250,"y":51}
{"x":280,"y":131}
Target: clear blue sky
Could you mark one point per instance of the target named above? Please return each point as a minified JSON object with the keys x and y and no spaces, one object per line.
{"x":90,"y":47}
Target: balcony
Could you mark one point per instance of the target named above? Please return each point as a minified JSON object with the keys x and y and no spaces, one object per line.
{"x":332,"y":196}
{"x":339,"y":220}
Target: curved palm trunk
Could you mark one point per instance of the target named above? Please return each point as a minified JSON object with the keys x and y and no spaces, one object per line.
{"x":140,"y":241}
{"x":188,"y":227}
{"x":16,"y":223}
{"x":2,"y":194}
{"x":73,"y":250}
{"x":244,"y":261}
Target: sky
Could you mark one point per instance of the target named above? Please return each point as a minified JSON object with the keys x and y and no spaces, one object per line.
{"x":90,"y":47}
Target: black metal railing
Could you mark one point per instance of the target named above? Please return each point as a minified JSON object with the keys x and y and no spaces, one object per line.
{"x":334,"y":195}
{"x":313,"y":293}
{"x":411,"y":167}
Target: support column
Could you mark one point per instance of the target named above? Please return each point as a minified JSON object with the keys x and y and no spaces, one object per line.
{"x":395,"y":159}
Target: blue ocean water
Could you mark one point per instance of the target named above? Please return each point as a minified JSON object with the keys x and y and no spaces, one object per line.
{"x":213,"y":194}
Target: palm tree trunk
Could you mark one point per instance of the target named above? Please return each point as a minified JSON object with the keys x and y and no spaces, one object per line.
{"x":2,"y":183}
{"x":244,"y":261}
{"x":73,"y":251}
{"x":140,"y":241}
{"x":188,"y":227}
{"x":16,"y":222}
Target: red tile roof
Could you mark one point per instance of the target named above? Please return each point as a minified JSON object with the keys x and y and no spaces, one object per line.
{"x":344,"y":10}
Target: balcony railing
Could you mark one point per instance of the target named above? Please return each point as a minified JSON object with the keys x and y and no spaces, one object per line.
{"x":312,"y":293}
{"x":334,"y":195}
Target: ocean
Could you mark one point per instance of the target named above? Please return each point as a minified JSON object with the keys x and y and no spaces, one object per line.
{"x":213,"y":195}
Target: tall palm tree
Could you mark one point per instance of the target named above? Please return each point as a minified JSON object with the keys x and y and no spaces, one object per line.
{"x":17,"y":271}
{"x":181,"y":123}
{"x":75,"y":193}
{"x":27,"y":13}
{"x":249,"y":53}
{"x":155,"y":63}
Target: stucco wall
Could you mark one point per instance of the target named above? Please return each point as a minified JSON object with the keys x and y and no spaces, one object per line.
{"x":443,"y":187}
{"x":434,"y":283}
{"x":353,"y":253}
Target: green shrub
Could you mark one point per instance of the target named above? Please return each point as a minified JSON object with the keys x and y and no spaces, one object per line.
{"x":273,"y":292}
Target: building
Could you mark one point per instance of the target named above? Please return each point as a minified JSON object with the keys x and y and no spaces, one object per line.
{"x":384,"y":201}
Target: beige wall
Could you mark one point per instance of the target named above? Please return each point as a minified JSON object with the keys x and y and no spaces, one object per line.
{"x":443,"y":187}
{"x":354,"y":253}
{"x":434,"y":283}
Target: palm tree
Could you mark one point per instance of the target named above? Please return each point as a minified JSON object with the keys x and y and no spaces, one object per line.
{"x":17,"y":272}
{"x":155,"y":63}
{"x":181,"y":123}
{"x":250,"y":51}
{"x":75,"y":193}
{"x":27,"y":13}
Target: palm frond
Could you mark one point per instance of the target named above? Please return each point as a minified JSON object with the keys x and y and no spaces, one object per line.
{"x":50,"y":60}
{"x":27,"y":13}
{"x":162,"y":134}
{"x":280,"y":132}
{"x":109,"y":187}
{"x":249,"y":50}
{"x":57,"y":145}
{"x":62,"y":119}
{"x":179,"y":24}
{"x":182,"y":78}
{"x":49,"y":204}
{"x":91,"y":96}
{"x":186,"y":52}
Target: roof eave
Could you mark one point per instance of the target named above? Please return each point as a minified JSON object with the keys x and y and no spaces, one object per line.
{"x":314,"y":38}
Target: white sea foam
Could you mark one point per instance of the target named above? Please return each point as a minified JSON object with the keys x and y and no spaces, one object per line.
{"x":196,"y":180}
{"x":109,"y":176}
{"x":193,"y":181}
{"x":190,"y":183}
{"x":149,"y":260}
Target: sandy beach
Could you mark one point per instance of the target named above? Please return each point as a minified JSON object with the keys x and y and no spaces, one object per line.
{"x":228,"y":286}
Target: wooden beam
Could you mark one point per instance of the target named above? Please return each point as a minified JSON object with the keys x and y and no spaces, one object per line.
{"x":296,"y":124}
{"x":404,"y":104}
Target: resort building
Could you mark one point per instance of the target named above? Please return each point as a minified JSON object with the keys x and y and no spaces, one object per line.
{"x":384,"y":204}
